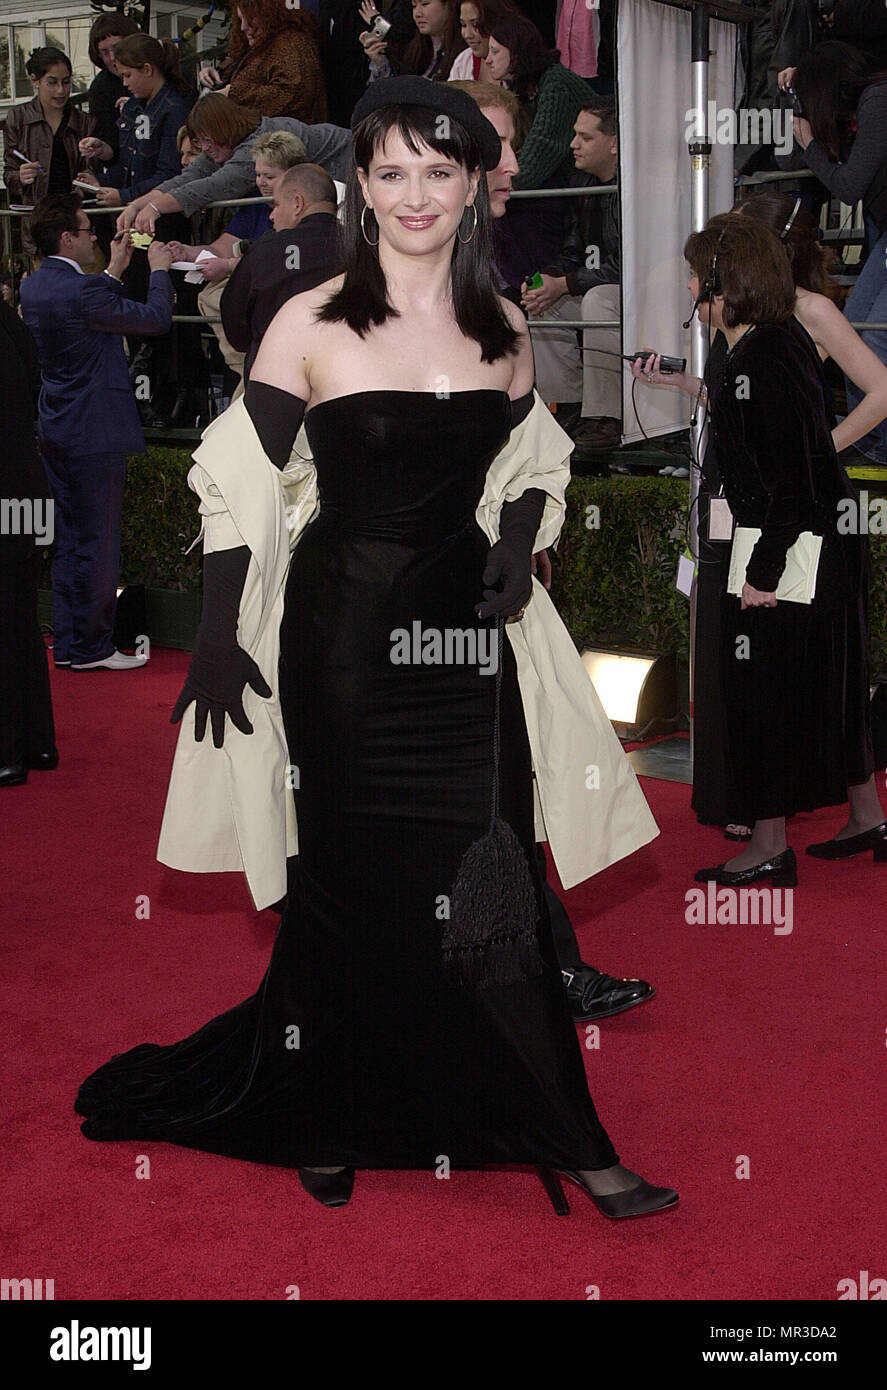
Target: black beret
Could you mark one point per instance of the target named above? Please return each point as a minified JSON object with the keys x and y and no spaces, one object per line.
{"x":437,"y":96}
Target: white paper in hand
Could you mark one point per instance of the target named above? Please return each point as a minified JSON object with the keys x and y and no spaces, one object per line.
{"x":195,"y":276}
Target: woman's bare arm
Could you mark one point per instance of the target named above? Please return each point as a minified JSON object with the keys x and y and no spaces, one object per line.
{"x":832,"y":333}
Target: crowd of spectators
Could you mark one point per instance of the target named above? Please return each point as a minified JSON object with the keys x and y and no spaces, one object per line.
{"x":166,"y":147}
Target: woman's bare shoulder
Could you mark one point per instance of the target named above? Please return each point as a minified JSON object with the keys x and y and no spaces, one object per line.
{"x":522,"y":361}
{"x":296,"y":320}
{"x":514,"y":314}
{"x":295,"y":340}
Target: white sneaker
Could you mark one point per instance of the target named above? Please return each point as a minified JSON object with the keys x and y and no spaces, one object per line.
{"x":680,"y":473}
{"x":667,"y":471}
{"x":117,"y":661}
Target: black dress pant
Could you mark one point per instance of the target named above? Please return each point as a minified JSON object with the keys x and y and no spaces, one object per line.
{"x":565,"y":943}
{"x":26,"y":725}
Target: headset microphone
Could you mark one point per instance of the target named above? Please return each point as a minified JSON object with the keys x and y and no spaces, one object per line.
{"x":703,"y":294}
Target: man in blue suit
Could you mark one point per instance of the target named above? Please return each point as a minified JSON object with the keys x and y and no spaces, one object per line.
{"x":88,"y":420}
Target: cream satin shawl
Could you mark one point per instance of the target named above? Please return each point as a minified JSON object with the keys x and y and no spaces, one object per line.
{"x":232,"y":808}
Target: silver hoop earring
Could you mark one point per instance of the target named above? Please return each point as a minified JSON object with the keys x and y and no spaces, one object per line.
{"x":366,"y":209}
{"x":465,"y":239}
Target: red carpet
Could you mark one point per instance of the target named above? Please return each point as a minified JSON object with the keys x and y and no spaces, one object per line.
{"x":756,"y":1044}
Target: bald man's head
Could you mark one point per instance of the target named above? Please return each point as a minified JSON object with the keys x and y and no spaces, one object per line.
{"x":304,"y":189}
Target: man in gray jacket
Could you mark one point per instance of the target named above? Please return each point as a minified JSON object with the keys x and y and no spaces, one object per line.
{"x":225,"y":169}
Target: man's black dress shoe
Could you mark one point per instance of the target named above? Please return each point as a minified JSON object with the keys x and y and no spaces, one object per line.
{"x":593,"y":995}
{"x":44,"y":762}
{"x":332,"y":1189}
{"x":13,"y":774}
{"x":875,"y":839}
{"x":782,"y":869}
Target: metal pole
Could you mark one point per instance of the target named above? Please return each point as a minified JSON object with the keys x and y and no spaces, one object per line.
{"x":700,"y":159}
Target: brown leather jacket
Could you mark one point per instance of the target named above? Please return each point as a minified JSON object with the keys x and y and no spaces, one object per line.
{"x":28,"y":130}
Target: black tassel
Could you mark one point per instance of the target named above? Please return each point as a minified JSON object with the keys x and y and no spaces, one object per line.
{"x":490,"y":938}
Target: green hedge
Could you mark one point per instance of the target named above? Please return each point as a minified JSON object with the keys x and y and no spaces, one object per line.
{"x":160,"y":520}
{"x":614,"y":583}
{"x":616,"y":563}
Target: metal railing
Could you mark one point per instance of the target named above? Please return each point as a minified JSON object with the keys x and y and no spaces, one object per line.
{"x":598,"y":190}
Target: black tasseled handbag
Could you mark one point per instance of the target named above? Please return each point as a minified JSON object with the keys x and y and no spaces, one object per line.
{"x":490,"y":937}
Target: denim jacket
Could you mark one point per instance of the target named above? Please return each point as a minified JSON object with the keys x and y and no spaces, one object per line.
{"x":148,"y":154}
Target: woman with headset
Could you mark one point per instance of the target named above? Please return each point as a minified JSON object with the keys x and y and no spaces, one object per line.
{"x":780,"y":473}
{"x":816,"y":310}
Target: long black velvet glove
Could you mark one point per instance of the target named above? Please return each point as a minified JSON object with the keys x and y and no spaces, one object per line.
{"x":510,"y":561}
{"x":220,"y":668}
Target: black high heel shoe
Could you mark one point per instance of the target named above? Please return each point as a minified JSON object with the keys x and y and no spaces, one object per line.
{"x":782,"y":869}
{"x":640,"y":1200}
{"x":331,"y":1189}
{"x":875,"y":839}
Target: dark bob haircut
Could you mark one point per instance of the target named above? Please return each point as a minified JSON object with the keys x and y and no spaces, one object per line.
{"x":751,"y":265}
{"x":362,"y":302}
{"x":108,"y":26}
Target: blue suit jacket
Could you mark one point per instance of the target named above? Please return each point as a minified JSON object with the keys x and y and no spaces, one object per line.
{"x":86,"y":403}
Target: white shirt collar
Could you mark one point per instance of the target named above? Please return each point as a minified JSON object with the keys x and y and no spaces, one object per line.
{"x":68,"y":261}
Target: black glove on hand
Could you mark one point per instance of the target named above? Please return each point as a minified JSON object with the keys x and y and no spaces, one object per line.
{"x":220,"y":668}
{"x":510,"y":560}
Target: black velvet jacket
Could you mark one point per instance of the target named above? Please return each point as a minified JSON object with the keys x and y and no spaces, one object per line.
{"x":775,"y":452}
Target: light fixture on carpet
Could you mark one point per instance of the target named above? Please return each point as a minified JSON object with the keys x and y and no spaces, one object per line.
{"x":638,"y":690}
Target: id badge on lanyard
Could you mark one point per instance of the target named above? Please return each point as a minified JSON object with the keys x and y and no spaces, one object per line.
{"x":720,"y":520}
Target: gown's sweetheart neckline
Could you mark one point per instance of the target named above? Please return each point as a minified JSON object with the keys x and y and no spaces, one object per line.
{"x":392,"y":391}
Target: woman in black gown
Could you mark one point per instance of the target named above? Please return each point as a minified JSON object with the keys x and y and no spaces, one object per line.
{"x":358,"y":1050}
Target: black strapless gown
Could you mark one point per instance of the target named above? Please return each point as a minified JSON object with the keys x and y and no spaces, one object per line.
{"x":355,"y":1049}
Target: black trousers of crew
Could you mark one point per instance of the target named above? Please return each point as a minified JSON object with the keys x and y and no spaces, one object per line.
{"x":565,"y":943}
{"x":26,"y":724}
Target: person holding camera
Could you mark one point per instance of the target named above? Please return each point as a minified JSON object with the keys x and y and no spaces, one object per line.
{"x":435,"y":46}
{"x":88,"y":420}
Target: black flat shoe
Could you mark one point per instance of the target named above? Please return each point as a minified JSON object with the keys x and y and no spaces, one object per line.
{"x":44,"y":762}
{"x":592,"y":994}
{"x":331,"y":1189}
{"x":875,"y":839}
{"x":640,"y":1200}
{"x":782,"y":869}
{"x":13,"y":775}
